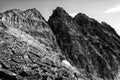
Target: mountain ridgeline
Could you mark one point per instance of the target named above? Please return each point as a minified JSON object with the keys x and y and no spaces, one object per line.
{"x":64,"y":48}
{"x":87,"y":44}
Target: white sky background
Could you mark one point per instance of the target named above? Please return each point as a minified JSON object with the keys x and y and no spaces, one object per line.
{"x":102,"y":10}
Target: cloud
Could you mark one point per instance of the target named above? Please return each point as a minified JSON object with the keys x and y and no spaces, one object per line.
{"x":114,"y":9}
{"x":72,"y":14}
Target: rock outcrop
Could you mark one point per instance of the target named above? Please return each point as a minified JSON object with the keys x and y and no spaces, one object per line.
{"x":28,"y":48}
{"x":93,"y":47}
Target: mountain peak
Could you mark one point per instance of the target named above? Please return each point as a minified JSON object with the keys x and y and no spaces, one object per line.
{"x":32,"y":10}
{"x":60,"y":12}
{"x":33,"y":13}
{"x":60,"y":8}
{"x":82,"y":16}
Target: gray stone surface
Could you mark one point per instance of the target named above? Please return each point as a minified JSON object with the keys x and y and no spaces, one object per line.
{"x":28,"y":48}
{"x":93,"y":47}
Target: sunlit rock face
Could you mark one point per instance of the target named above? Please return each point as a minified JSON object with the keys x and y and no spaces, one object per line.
{"x":93,"y":47}
{"x":28,"y":48}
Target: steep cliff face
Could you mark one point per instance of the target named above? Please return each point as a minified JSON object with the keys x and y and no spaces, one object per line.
{"x":28,"y":48}
{"x":93,"y":47}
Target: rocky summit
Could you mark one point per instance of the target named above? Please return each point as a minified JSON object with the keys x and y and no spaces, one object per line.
{"x":64,"y":48}
{"x":92,"y":47}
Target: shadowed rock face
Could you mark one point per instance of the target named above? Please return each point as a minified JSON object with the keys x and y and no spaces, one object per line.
{"x":28,"y":48}
{"x":93,"y":47}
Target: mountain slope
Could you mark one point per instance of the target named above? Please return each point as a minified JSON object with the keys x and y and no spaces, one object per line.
{"x":28,"y":48}
{"x":91,"y":46}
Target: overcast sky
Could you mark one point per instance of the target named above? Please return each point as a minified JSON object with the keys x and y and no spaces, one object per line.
{"x":101,"y":10}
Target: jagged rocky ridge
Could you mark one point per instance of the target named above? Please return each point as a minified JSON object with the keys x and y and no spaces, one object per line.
{"x":28,"y":48}
{"x":93,"y":47}
{"x":33,"y":49}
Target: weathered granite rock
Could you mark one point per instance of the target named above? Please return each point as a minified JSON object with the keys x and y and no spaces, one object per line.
{"x":93,"y":47}
{"x":28,"y":48}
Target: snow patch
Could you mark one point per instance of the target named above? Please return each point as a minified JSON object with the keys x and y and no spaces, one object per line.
{"x":66,"y":62}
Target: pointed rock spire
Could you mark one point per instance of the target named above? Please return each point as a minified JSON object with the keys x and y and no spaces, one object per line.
{"x":59,"y":12}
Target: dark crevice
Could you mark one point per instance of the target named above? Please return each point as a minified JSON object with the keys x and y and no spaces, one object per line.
{"x":24,"y":74}
{"x":5,"y":76}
